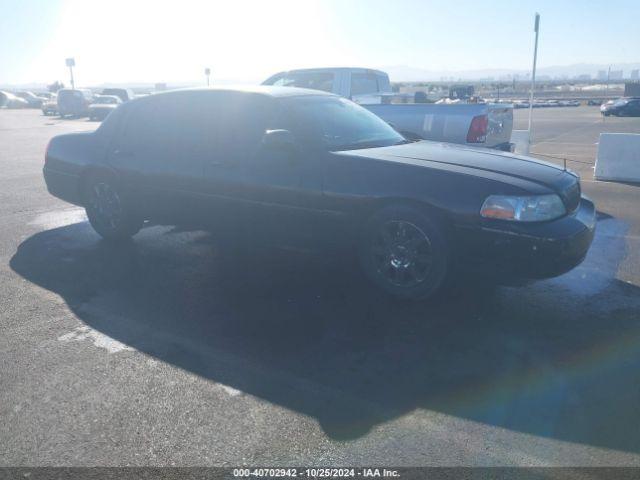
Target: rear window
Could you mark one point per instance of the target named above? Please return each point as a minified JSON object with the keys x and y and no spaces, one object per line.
{"x":69,"y":93}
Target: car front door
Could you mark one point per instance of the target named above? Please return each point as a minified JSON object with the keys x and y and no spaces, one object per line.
{"x":270,"y":190}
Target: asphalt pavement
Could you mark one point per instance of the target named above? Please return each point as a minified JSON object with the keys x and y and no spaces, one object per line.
{"x":160,"y":352}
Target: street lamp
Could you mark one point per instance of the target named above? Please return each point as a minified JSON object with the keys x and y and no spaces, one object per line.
{"x":207,"y":72}
{"x":536,"y":28}
{"x":70,"y":62}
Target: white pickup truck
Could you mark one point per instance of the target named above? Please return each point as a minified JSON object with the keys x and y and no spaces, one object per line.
{"x":474,"y":124}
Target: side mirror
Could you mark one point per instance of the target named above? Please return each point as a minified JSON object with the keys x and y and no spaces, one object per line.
{"x":279,"y":140}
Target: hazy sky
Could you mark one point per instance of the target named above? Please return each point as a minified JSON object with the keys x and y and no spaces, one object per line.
{"x":243,"y":40}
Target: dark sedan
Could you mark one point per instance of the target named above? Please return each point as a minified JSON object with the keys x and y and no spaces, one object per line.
{"x":623,"y":107}
{"x":298,"y":167}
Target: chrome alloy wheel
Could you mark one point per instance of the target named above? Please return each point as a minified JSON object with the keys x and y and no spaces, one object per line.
{"x":402,"y":253}
{"x":106,"y":205}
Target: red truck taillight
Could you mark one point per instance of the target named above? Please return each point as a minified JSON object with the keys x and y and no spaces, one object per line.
{"x":478,"y":129}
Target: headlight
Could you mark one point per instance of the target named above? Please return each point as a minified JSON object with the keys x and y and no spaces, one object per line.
{"x":535,"y":208}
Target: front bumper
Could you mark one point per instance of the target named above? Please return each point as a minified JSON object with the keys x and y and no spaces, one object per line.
{"x":529,"y":251}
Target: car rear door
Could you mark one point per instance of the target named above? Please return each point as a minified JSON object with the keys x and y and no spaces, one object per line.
{"x":161,"y":152}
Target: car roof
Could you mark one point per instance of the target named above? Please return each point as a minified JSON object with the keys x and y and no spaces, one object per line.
{"x":266,"y":90}
{"x":333,"y":69}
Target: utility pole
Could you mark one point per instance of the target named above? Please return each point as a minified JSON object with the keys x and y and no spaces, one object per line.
{"x":536,"y":28}
{"x":70,"y":62}
{"x":606,"y":88}
{"x":207,"y":72}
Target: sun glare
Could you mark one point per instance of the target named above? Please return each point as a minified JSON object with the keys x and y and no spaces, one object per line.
{"x":174,"y":41}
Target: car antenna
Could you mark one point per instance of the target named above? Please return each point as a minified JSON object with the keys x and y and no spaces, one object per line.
{"x":565,"y":164}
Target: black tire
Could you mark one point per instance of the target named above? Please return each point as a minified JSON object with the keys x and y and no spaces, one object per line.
{"x":108,"y":208}
{"x":404,"y":252}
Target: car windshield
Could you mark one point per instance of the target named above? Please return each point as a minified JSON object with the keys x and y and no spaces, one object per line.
{"x":106,"y":100}
{"x":338,"y":124}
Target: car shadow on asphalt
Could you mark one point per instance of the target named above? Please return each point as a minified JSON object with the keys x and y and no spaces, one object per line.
{"x":308,"y":334}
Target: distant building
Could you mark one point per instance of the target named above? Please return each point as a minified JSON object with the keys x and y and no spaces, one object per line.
{"x":602,"y":74}
{"x":616,"y":75}
{"x":632,"y":89}
{"x":635,"y":74}
{"x":584,"y":77}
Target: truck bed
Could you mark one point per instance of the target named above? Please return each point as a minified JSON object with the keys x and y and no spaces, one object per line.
{"x":448,"y":123}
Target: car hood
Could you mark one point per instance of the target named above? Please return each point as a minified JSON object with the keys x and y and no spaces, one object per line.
{"x":449,"y":156}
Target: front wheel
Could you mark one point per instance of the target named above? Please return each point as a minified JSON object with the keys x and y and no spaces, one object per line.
{"x":108,"y":210}
{"x":404,"y":252}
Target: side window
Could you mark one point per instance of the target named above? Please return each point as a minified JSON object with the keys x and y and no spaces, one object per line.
{"x":140,"y":129}
{"x":364,"y":83}
{"x":164,"y":130}
{"x":277,"y":81}
{"x":195,"y":127}
{"x":239,"y":121}
{"x":313,"y":80}
{"x":383,"y":83}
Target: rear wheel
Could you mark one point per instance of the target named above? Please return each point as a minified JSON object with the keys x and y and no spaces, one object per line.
{"x":108,"y":209}
{"x":404,"y":252}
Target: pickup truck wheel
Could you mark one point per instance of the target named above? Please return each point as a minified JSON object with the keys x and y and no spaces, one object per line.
{"x":107,"y":209}
{"x":404,"y":252}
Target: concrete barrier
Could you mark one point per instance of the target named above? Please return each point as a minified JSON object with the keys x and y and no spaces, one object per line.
{"x":618,"y":157}
{"x":520,"y":139}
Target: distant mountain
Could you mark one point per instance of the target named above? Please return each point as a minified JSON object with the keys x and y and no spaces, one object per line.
{"x":401,"y":73}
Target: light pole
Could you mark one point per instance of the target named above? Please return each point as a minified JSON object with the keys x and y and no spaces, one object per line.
{"x":70,"y":62}
{"x":207,"y":72}
{"x":536,"y":28}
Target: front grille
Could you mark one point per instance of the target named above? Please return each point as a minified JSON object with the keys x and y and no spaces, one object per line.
{"x":571,"y":196}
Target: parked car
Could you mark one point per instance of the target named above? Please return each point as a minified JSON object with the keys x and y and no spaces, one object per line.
{"x":74,"y":102}
{"x":102,"y":106}
{"x":594,"y":103}
{"x":623,"y":107}
{"x":476,"y":124}
{"x":9,"y":100}
{"x":124,"y":94}
{"x":606,"y":105}
{"x":50,"y":107}
{"x":304,"y":168}
{"x":32,"y":99}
